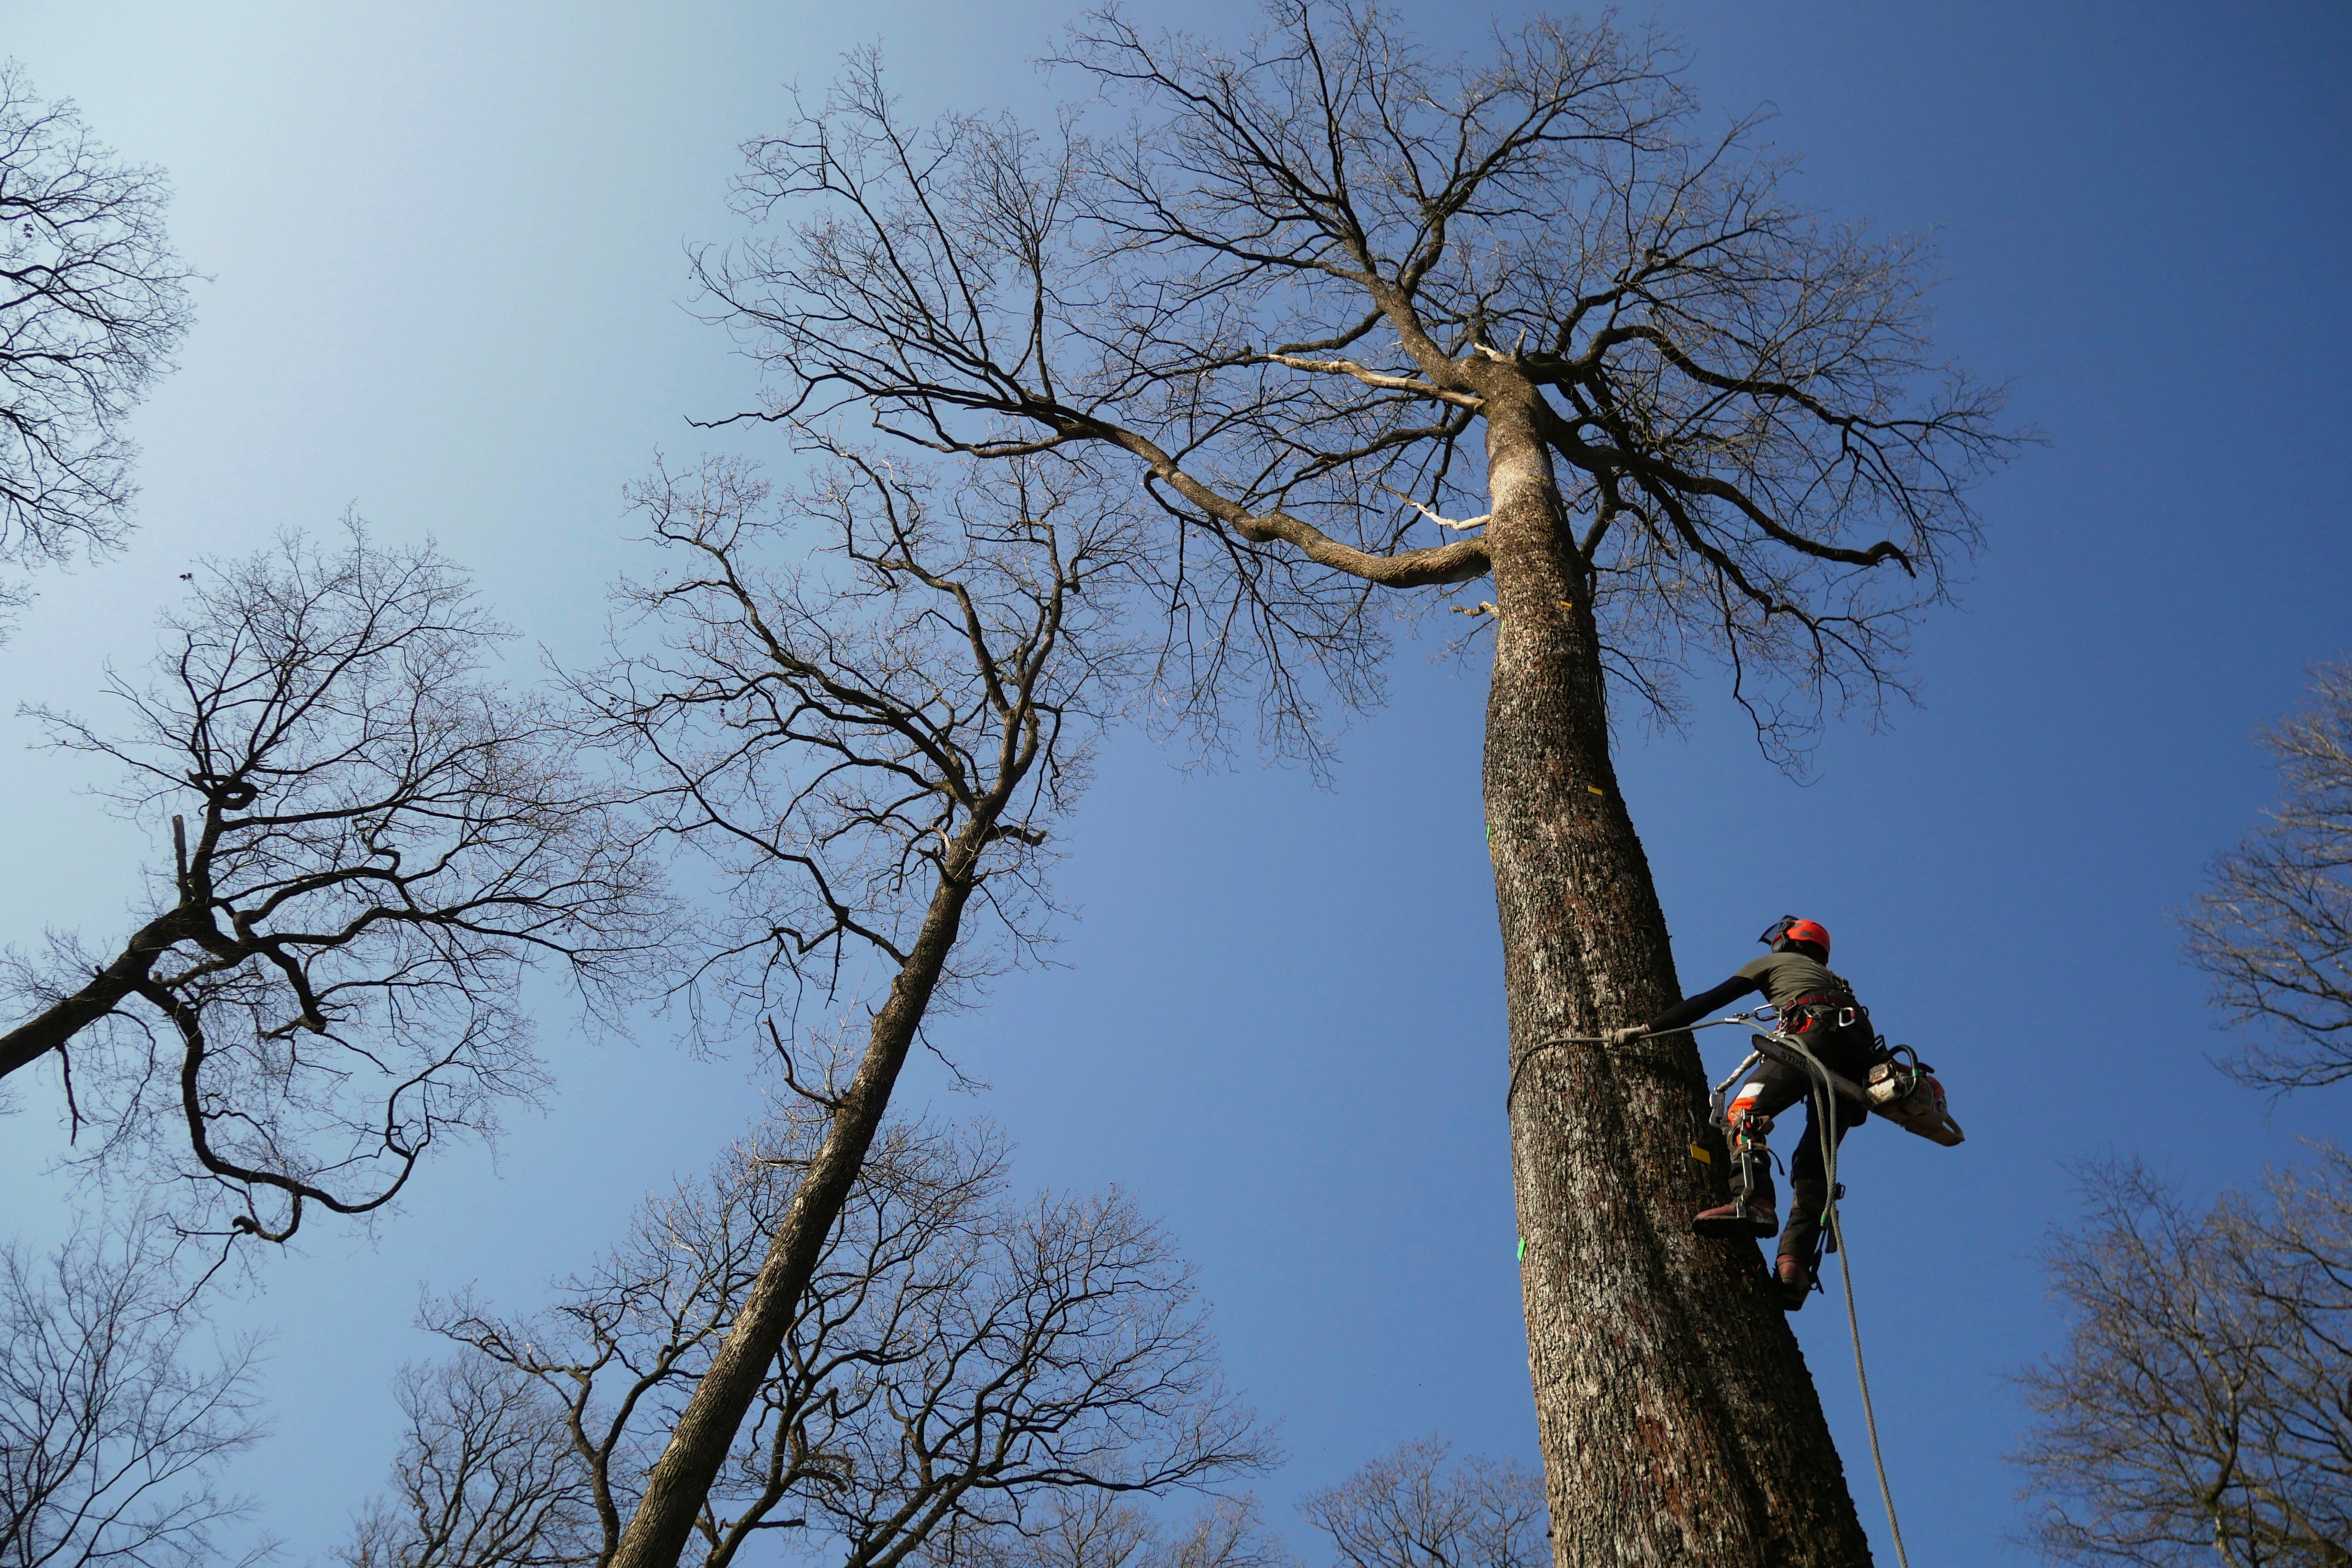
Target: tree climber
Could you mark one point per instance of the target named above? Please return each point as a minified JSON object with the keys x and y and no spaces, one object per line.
{"x":1819,"y":1008}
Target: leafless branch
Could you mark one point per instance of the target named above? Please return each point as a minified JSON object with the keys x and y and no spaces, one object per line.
{"x":821,"y":699}
{"x":385,"y":839}
{"x":92,"y":304}
{"x":113,"y":1426}
{"x":2200,"y":1410}
{"x":2274,"y":928}
{"x":487,"y":1475}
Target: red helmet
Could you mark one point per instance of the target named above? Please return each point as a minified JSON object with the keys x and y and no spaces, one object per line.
{"x":1790,"y":927}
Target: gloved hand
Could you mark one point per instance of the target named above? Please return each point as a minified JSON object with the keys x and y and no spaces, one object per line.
{"x":1627,"y":1034}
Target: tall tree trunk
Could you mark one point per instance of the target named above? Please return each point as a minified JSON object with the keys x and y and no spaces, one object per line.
{"x":681,"y":1479}
{"x":1677,"y":1420}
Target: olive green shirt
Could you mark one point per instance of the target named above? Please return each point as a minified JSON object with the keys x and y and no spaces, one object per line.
{"x":1785,"y":976}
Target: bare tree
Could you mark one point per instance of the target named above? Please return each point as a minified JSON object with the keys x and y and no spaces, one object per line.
{"x":92,"y":305}
{"x":1100,"y":1529}
{"x":963,"y":1369}
{"x":867,"y":746}
{"x":114,"y":1425}
{"x":1326,"y":297}
{"x":2274,"y":928}
{"x":374,"y":840}
{"x":2202,"y":1409}
{"x":1410,"y":1509}
{"x":487,"y":1474}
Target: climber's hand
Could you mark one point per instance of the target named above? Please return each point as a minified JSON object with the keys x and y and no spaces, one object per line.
{"x":1627,"y":1034}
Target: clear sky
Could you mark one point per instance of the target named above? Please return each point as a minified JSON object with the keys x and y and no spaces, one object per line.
{"x":444,"y":246}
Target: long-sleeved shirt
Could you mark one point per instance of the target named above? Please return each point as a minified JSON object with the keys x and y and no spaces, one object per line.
{"x":1781,"y":976}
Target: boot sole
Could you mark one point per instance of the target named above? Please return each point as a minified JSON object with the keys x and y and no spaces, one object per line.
{"x":1734,"y":1229}
{"x":1792,"y":1297}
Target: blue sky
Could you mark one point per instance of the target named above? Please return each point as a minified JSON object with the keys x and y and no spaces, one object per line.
{"x":445,"y":249}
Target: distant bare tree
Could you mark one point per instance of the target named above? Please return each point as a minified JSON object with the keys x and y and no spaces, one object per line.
{"x":868,"y":742}
{"x":92,"y":305}
{"x":1366,"y":322}
{"x":2201,"y":1411}
{"x":2274,"y":928}
{"x":1411,"y":1509}
{"x":488,"y":1474}
{"x":1100,"y":1529}
{"x":114,"y":1425}
{"x":962,"y":1368}
{"x":374,"y":840}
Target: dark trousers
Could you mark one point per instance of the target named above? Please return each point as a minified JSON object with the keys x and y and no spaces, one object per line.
{"x":1773,"y":1090}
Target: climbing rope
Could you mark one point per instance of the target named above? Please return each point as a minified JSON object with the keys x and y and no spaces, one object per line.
{"x":1539,"y":1048}
{"x":1824,"y":1102}
{"x":1542,"y":1046}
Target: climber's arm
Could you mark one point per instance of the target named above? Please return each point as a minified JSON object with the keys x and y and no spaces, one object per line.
{"x":1691,"y":1009}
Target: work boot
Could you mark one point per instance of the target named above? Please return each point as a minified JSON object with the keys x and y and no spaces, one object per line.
{"x":1795,"y":1279}
{"x":1753,"y":1216}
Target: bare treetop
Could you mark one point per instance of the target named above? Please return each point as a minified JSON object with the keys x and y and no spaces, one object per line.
{"x":2199,"y":1410}
{"x":1294,"y":288}
{"x":374,"y":838}
{"x":92,"y":305}
{"x":965,"y":1370}
{"x":820,"y":697}
{"x":114,"y":1427}
{"x":1096,"y":1529}
{"x":2274,"y":928}
{"x":1415,"y":1507}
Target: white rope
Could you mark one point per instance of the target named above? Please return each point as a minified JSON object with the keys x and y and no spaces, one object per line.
{"x":1824,"y":1102}
{"x":1519,"y":1063}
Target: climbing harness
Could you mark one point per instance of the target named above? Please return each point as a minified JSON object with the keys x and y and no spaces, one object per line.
{"x":1899,"y":1088}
